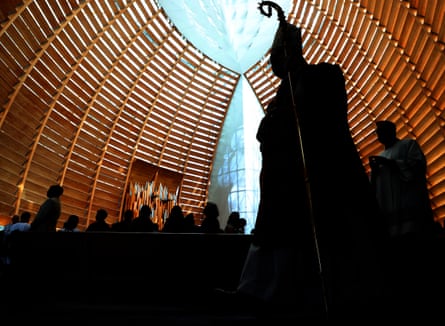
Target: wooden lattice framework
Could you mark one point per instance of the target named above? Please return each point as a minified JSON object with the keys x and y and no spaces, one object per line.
{"x":87,"y":87}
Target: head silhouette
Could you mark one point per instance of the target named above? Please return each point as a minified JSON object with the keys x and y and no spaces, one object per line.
{"x":145,"y":211}
{"x":71,"y":222}
{"x":54,"y":191}
{"x":128,"y":215}
{"x":386,"y":132}
{"x":211,"y":210}
{"x":101,"y":214}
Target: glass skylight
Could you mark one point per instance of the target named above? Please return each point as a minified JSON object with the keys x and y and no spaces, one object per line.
{"x":236,"y":35}
{"x":232,"y":32}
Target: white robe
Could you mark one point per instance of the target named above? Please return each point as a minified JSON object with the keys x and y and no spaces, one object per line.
{"x":402,"y":192}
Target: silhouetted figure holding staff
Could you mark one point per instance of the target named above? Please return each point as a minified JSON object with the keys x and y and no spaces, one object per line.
{"x":311,"y":245}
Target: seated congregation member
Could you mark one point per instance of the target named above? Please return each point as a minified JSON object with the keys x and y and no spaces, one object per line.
{"x":175,"y":221}
{"x":190,"y":225}
{"x":14,"y":219}
{"x":99,"y":225}
{"x":70,"y":224}
{"x":125,"y":223}
{"x":4,"y":237}
{"x":22,"y":225}
{"x":210,"y":223}
{"x":49,"y":212}
{"x":235,"y":224}
{"x":143,"y":222}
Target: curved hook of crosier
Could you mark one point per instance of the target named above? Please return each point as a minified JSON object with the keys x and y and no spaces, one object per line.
{"x":268,"y":13}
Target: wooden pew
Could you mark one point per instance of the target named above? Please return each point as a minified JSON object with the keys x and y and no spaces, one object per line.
{"x":121,"y":266}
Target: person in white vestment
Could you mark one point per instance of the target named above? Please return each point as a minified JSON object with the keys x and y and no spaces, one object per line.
{"x":399,"y":179}
{"x":398,"y":175}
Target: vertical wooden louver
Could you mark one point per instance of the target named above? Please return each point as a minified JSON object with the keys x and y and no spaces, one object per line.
{"x":87,"y":87}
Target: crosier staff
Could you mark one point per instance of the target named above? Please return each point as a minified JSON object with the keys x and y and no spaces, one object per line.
{"x":283,"y":23}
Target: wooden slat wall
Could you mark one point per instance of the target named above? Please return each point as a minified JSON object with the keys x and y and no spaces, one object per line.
{"x":90,"y":86}
{"x":108,"y":83}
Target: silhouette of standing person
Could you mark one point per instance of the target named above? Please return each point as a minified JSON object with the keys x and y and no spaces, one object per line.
{"x":49,"y":212}
{"x":315,"y":195}
{"x":398,"y":176}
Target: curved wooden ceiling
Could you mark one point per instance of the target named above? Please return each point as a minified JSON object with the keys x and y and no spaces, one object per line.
{"x":90,"y":86}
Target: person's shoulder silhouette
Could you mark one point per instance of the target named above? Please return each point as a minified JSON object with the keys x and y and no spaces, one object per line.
{"x":70,"y":224}
{"x":143,"y":222}
{"x":49,"y":212}
{"x":190,"y":225}
{"x":125,"y":223}
{"x":210,"y":223}
{"x":175,"y":221}
{"x":100,"y":224}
